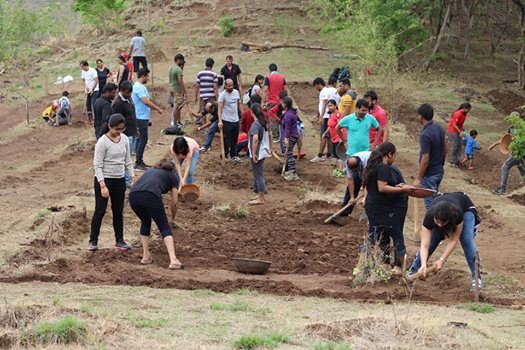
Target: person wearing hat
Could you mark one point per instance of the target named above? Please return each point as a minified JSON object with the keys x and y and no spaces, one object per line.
{"x":129,"y":64}
{"x":49,"y":113}
{"x":177,"y":88}
{"x":123,"y":70}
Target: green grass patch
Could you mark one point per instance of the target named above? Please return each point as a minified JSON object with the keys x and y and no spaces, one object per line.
{"x":43,"y":213}
{"x":482,"y":308}
{"x":499,"y":280}
{"x":65,"y":331}
{"x":227,"y":25}
{"x":257,"y":341}
{"x":238,"y":306}
{"x":245,"y":291}
{"x":139,"y":321}
{"x":332,"y":346}
{"x":57,"y":301}
{"x":204,"y":293}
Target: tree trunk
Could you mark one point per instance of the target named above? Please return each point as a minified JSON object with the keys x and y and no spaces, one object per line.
{"x":469,"y":12}
{"x":521,"y":58}
{"x":495,"y":38}
{"x":437,"y":45}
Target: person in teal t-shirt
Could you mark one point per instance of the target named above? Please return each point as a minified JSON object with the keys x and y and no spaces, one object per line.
{"x":358,"y":125}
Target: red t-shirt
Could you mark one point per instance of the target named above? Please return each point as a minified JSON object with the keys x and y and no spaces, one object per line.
{"x":130,"y":67}
{"x":333,"y":120}
{"x":273,"y":113}
{"x":275,"y":83}
{"x":459,"y":118}
{"x":247,"y":120}
{"x":379,"y":113}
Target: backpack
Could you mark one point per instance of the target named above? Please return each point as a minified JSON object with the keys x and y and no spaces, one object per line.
{"x":344,"y":73}
{"x":173,"y":130}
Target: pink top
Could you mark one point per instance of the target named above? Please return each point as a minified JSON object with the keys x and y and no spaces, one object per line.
{"x":194,"y":146}
{"x":379,"y":113}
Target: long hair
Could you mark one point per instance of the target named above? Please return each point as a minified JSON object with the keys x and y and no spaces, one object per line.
{"x":446,"y":212}
{"x":113,"y":121}
{"x":180,"y":146}
{"x":465,"y":105}
{"x":376,"y":158}
{"x":165,"y":163}
{"x":257,"y":78}
{"x":257,"y":111}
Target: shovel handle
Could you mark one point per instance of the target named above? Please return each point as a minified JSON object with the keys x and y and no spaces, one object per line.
{"x":223,"y":156}
{"x":337,"y":213}
{"x":417,"y":275}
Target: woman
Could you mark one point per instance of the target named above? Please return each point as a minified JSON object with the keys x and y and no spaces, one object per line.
{"x":145,"y":199}
{"x":455,"y":132}
{"x":453,"y":216}
{"x":103,"y":74}
{"x":259,"y":147}
{"x":256,"y":88}
{"x":112,"y":163}
{"x":184,"y":148}
{"x":290,"y":136}
{"x":123,"y":70}
{"x":386,"y":203}
{"x":333,"y":120}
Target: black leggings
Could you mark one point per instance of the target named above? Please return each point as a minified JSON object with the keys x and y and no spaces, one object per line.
{"x":385,"y":226}
{"x":117,"y":192}
{"x":148,"y":206}
{"x":231,"y":133}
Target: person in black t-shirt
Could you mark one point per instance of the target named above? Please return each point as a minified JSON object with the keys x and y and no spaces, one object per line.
{"x":386,"y":203}
{"x":453,"y":216}
{"x":103,"y":73}
{"x":145,"y":199}
{"x":232,"y":71}
{"x":212,"y":109}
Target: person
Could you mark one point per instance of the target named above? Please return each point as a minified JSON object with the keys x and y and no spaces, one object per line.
{"x":177,"y":88}
{"x":232,"y":71}
{"x":358,"y":125}
{"x":103,"y":73}
{"x":91,"y":88}
{"x":143,"y":106}
{"x":145,"y":199}
{"x":49,"y":113}
{"x":379,"y":113}
{"x":355,"y":166}
{"x":511,"y":161}
{"x":137,"y":51}
{"x":229,"y":106}
{"x":453,"y":216}
{"x":432,"y":152}
{"x":470,"y":146}
{"x":212,"y":109}
{"x":455,"y":132}
{"x":185,"y":148}
{"x":123,"y":70}
{"x":129,"y":64}
{"x":206,"y":86}
{"x":386,"y":204}
{"x":112,"y":162}
{"x":259,"y":148}
{"x":63,"y":115}
{"x":333,"y":121}
{"x":290,"y":137}
{"x":257,"y":87}
{"x":248,"y":116}
{"x":274,"y":85}
{"x":322,"y":118}
{"x":123,"y":105}
{"x":103,"y":108}
{"x":347,"y":103}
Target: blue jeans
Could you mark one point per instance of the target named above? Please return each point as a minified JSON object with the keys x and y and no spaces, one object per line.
{"x":193,"y":165}
{"x":211,"y":134}
{"x":467,"y":243}
{"x":131,"y":141}
{"x":143,"y":126}
{"x":431,"y":182}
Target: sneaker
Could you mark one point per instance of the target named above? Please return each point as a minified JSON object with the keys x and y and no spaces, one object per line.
{"x":236,"y":159}
{"x":291,"y":177}
{"x":500,"y":191}
{"x":122,"y":246}
{"x":140,"y":167}
{"x":316,"y":159}
{"x":323,"y":158}
{"x":473,"y":285}
{"x":92,"y":246}
{"x":203,"y":149}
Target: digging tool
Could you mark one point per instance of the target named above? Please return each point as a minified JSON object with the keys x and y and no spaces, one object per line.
{"x":337,"y":213}
{"x":363,"y":216}
{"x":417,"y":275}
{"x":285,"y":160}
{"x":416,"y":220}
{"x":223,"y":156}
{"x":403,"y":269}
{"x":476,"y":288}
{"x":276,"y":156}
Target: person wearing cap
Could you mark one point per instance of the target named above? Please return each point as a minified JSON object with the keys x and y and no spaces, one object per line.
{"x":123,"y":70}
{"x":177,"y":88}
{"x":137,"y":51}
{"x":129,"y":64}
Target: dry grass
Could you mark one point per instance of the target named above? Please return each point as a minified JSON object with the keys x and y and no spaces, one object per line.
{"x":234,"y":211}
{"x":315,"y":193}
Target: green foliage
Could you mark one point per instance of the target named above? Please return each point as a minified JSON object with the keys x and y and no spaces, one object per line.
{"x":245,"y":291}
{"x":257,"y":341}
{"x":65,"y":331}
{"x":370,"y":269}
{"x":517,"y":146}
{"x":439,"y":56}
{"x":332,"y":346}
{"x":99,"y":12}
{"x":227,"y":25}
{"x":482,"y":308}
{"x":499,"y":280}
{"x":43,"y":213}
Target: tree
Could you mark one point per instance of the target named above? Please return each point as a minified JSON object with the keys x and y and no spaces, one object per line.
{"x":469,"y":10}
{"x":521,"y":57}
{"x":437,"y":45}
{"x":99,"y":12}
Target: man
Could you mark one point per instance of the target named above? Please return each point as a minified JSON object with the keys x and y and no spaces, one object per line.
{"x":274,"y":85}
{"x":124,"y":106}
{"x":102,"y":108}
{"x":432,"y":152}
{"x":212,"y":109}
{"x":90,"y":79}
{"x":347,"y":104}
{"x":326,"y":93}
{"x":379,"y":113}
{"x":177,"y":88}
{"x":358,"y":125}
{"x":355,"y":168}
{"x":511,"y":162}
{"x":233,"y":72}
{"x":143,"y":106}
{"x":137,"y":51}
{"x":229,"y":107}
{"x":206,"y":86}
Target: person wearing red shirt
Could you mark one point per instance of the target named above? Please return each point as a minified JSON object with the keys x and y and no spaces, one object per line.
{"x":333,"y":120}
{"x":129,"y":64}
{"x":455,"y":132}
{"x":379,"y":113}
{"x":274,"y":85}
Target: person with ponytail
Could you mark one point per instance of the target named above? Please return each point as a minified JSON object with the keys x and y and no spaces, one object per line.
{"x":386,"y":203}
{"x":112,"y":163}
{"x":455,"y":132}
{"x":185,"y":148}
{"x":290,"y":136}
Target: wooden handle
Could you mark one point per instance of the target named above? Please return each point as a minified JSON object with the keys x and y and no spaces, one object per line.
{"x":223,"y":156}
{"x":416,"y":217}
{"x":348,"y":205}
{"x":276,"y":156}
{"x":417,"y":275}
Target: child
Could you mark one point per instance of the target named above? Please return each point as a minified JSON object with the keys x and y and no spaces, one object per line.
{"x":50,"y":112}
{"x":333,"y":120}
{"x":471,"y":145}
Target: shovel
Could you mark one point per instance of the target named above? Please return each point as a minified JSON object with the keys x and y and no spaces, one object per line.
{"x":417,"y":275}
{"x":337,"y":213}
{"x":223,"y":156}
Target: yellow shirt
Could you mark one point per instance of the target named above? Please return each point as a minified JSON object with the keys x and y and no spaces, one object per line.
{"x":48,"y":112}
{"x":346,"y":101}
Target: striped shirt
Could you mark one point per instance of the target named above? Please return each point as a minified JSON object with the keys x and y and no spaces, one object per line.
{"x":206,"y":79}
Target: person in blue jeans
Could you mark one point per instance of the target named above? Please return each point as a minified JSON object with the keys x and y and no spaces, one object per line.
{"x":212,"y":123}
{"x":433,"y":149}
{"x":453,"y":216}
{"x":185,"y":148}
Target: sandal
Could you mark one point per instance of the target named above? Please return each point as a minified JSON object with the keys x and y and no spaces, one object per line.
{"x":146,"y":261}
{"x":177,"y":267}
{"x":255,"y":202}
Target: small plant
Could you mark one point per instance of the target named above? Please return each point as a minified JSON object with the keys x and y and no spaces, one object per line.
{"x":517,"y":145}
{"x":65,"y":331}
{"x":370,"y":268}
{"x":43,"y":213}
{"x":439,"y":56}
{"x":235,"y":307}
{"x":482,"y":308}
{"x":236,"y":212}
{"x":227,"y":25}
{"x":241,"y":212}
{"x":57,"y":301}
{"x":257,"y":341}
{"x":87,"y":308}
{"x":245,"y":291}
{"x":332,"y":346}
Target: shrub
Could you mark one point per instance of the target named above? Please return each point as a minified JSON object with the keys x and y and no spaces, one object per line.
{"x":517,"y":146}
{"x":369,"y":268}
{"x":65,"y":331}
{"x":227,"y":25}
{"x":257,"y":341}
{"x":482,"y":308}
{"x":332,"y":346}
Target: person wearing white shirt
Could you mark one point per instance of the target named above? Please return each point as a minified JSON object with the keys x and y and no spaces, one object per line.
{"x":90,"y":79}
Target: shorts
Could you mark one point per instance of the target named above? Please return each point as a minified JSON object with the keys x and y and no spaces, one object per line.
{"x":334,"y":150}
{"x":470,"y":156}
{"x":324,"y":127}
{"x":177,"y":98}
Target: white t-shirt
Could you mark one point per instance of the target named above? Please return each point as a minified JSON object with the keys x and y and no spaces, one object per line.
{"x":139,"y":46}
{"x":328,"y":93}
{"x":230,"y":105}
{"x":89,"y":76}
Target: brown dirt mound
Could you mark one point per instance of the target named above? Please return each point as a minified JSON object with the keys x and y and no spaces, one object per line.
{"x":507,"y":101}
